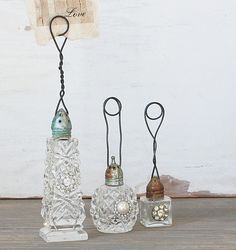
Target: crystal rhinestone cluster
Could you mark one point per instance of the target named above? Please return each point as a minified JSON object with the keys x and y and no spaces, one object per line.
{"x":68,"y":181}
{"x":160,"y":212}
{"x":123,"y":208}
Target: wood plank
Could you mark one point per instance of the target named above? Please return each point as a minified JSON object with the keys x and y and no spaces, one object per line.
{"x":198,"y":224}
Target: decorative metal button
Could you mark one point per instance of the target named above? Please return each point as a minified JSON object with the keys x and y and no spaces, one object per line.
{"x":160,"y":212}
{"x":123,"y":208}
{"x":67,"y":181}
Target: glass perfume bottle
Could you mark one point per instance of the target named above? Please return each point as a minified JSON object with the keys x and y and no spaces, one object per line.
{"x":62,"y":205}
{"x":155,"y":207}
{"x":114,"y":206}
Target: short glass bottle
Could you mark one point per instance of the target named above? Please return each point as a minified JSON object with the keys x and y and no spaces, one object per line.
{"x":155,"y":207}
{"x":114,"y":206}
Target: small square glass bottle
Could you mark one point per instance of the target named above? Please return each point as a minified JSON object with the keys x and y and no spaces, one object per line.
{"x":155,"y":207}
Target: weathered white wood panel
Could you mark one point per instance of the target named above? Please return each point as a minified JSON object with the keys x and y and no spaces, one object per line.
{"x":180,"y":52}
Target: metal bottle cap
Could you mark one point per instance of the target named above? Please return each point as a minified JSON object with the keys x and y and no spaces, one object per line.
{"x":114,"y":174}
{"x":155,"y":189}
{"x":61,"y":125}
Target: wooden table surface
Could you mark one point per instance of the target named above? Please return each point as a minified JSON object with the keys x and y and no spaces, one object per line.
{"x":198,"y":224}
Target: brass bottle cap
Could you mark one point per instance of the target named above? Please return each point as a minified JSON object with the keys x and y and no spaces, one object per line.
{"x":114,"y":174}
{"x":155,"y":189}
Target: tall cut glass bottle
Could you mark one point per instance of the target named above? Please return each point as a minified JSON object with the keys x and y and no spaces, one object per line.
{"x":63,"y":208}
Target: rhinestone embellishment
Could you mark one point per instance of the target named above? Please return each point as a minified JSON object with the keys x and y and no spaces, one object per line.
{"x":160,"y":212}
{"x":123,"y":209}
{"x":67,"y":182}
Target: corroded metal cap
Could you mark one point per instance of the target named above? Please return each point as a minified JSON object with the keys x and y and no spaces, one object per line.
{"x":155,"y":189}
{"x":114,"y":174}
{"x":61,"y":125}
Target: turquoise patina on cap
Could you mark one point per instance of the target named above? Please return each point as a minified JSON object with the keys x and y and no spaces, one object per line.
{"x":61,"y":125}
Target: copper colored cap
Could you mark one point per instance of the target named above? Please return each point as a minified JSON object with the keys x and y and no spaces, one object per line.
{"x":155,"y":189}
{"x":114,"y":174}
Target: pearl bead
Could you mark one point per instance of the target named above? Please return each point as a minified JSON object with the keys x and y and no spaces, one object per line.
{"x":123,"y":207}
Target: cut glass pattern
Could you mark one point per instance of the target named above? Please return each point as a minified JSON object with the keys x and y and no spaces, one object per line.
{"x":114,"y":209}
{"x":63,"y":207}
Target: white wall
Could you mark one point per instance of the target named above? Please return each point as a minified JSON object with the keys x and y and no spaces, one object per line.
{"x":181,"y":53}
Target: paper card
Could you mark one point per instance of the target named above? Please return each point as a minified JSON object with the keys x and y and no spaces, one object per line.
{"x":81,"y":14}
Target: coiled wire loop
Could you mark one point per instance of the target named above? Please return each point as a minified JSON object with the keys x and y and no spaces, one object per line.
{"x":154,"y":135}
{"x":106,"y":114}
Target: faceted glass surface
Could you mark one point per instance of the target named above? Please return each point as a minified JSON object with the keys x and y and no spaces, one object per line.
{"x":155,"y":213}
{"x":114,"y":209}
{"x":63,"y":207}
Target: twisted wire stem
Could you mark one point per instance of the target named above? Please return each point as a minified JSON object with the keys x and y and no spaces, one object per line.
{"x":61,"y":62}
{"x":154,"y":135}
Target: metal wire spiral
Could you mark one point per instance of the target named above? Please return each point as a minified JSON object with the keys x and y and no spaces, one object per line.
{"x":61,"y":57}
{"x":154,"y":135}
{"x":106,"y":113}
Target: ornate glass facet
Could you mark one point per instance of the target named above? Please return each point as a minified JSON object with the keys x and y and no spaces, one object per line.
{"x":114,"y":209}
{"x":63,"y":207}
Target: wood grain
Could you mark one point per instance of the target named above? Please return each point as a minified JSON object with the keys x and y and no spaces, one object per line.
{"x":207,"y":224}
